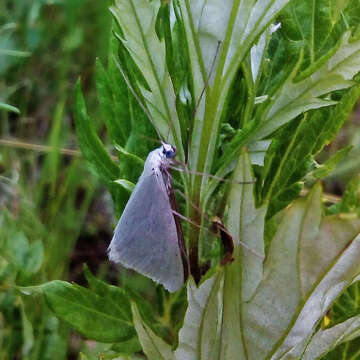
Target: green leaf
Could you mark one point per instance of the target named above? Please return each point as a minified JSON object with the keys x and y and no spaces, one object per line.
{"x":6,"y":270}
{"x":331,"y":119}
{"x":348,"y":350}
{"x":8,"y":107}
{"x":16,"y":53}
{"x":290,"y":154}
{"x":153,"y":346}
{"x":350,"y":201}
{"x":105,"y":94}
{"x":28,"y":332}
{"x":15,"y":250}
{"x":90,"y":144}
{"x":83,"y":356}
{"x":95,"y":316}
{"x":34,"y":258}
{"x":296,"y":97}
{"x":328,"y":167}
{"x":127,"y":347}
{"x":55,"y":338}
{"x":344,"y":308}
{"x":119,"y":92}
{"x":321,"y":29}
{"x":120,"y":298}
{"x":351,"y":16}
{"x":51,"y":167}
{"x":113,"y":294}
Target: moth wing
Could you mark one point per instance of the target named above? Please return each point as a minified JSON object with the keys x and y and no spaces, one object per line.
{"x":146,"y":238}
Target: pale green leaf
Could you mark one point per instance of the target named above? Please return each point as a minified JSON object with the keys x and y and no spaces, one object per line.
{"x":127,"y":185}
{"x":8,"y":107}
{"x":245,"y":222}
{"x":153,"y":346}
{"x":191,"y":13}
{"x":335,"y":250}
{"x":199,"y":337}
{"x":134,"y":158}
{"x":256,"y":311}
{"x":234,"y":25}
{"x":137,"y":19}
{"x":322,"y":239}
{"x":292,"y":295}
{"x":267,"y":316}
{"x":257,"y":151}
{"x":231,"y":324}
{"x":257,"y":53}
{"x":326,"y":340}
{"x":16,"y":53}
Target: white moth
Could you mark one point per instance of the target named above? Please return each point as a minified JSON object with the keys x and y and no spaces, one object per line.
{"x":148,"y":237}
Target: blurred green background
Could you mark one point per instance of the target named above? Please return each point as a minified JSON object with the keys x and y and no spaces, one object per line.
{"x":54,"y":214}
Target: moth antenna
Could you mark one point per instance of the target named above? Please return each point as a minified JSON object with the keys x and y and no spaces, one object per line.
{"x":131,"y":88}
{"x":207,"y":79}
{"x":169,"y":129}
{"x":200,"y":98}
{"x":149,"y":138}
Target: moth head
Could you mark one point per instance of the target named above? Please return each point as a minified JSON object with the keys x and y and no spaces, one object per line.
{"x":168,"y":150}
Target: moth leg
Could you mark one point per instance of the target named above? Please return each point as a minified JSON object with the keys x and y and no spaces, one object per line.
{"x":217,"y":225}
{"x":188,"y":171}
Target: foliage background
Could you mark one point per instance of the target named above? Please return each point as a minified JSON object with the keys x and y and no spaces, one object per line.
{"x":55,"y":215}
{"x":53,"y":212}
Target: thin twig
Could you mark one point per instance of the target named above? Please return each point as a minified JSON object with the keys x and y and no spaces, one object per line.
{"x":20,"y":144}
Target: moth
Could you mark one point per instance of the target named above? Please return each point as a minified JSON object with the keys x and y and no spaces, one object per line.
{"x":148,"y":237}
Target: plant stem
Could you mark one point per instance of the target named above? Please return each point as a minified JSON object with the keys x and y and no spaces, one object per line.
{"x":194,"y":235}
